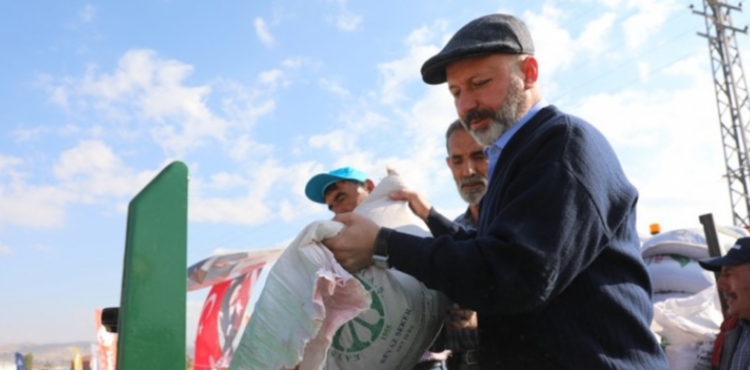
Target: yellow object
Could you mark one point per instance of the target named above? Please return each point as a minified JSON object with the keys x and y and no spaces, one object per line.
{"x":654,"y":228}
{"x":78,"y":362}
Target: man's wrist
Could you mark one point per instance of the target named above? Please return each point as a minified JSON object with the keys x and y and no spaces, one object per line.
{"x":380,"y":252}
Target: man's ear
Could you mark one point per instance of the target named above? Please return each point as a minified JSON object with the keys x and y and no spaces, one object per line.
{"x":369,"y":185}
{"x":530,"y":69}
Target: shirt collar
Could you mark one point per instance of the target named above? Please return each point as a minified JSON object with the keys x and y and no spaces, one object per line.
{"x":507,"y":135}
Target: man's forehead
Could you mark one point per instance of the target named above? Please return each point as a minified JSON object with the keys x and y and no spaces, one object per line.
{"x":731,"y":268}
{"x":461,"y":141}
{"x":470,"y":67}
{"x":333,"y":187}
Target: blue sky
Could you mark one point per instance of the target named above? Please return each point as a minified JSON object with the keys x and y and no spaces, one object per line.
{"x":256,"y":97}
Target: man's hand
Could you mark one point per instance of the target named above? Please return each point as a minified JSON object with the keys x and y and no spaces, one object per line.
{"x":354,"y":246}
{"x":460,"y":319}
{"x":417,"y":203}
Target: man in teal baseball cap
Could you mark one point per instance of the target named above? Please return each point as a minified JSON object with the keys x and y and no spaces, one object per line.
{"x":341,"y":190}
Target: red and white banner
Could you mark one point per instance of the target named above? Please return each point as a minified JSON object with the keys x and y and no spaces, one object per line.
{"x":228,"y":266}
{"x":223,"y":320}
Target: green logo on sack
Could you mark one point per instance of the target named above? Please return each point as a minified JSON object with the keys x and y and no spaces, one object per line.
{"x":363,"y":329}
{"x":682,"y":260}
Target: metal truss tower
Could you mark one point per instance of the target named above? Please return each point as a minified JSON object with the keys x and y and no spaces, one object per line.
{"x":732,"y":101}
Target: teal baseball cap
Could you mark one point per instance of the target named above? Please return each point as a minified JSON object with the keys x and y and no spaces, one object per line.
{"x":316,"y":187}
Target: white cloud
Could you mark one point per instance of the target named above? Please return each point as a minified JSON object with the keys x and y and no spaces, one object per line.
{"x":594,"y":36}
{"x":224,"y":180}
{"x":92,"y":170}
{"x":650,"y":17}
{"x":261,"y":30}
{"x":88,"y":13}
{"x":554,"y":46}
{"x":243,"y":146}
{"x":149,"y":96}
{"x":242,"y":105}
{"x":5,"y":249}
{"x":58,"y":94}
{"x":26,"y":134}
{"x":8,"y":162}
{"x":644,"y":69}
{"x":556,"y":49}
{"x":337,"y":141}
{"x":88,"y":157}
{"x":398,"y":73}
{"x":669,"y":145}
{"x":255,"y":208}
{"x":345,"y":19}
{"x":87,"y":173}
{"x":23,"y":204}
{"x":271,"y":77}
{"x":333,"y":87}
{"x":146,"y":94}
{"x":293,"y":63}
{"x":247,"y":210}
{"x":348,"y":21}
{"x":32,"y":206}
{"x":298,"y":206}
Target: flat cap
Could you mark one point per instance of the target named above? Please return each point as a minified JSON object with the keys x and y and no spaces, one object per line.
{"x":494,"y":33}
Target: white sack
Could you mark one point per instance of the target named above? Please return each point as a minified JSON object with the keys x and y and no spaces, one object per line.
{"x":304,"y":318}
{"x":661,"y":297}
{"x":306,"y":298}
{"x":690,"y":242}
{"x":690,"y":356}
{"x":688,"y":327}
{"x":674,"y":273}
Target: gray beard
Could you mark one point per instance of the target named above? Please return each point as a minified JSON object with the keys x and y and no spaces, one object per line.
{"x":501,"y":120}
{"x":472,"y":196}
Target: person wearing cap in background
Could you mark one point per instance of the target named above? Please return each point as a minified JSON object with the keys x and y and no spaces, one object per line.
{"x":341,"y":190}
{"x":732,"y":345}
{"x":554,"y":269}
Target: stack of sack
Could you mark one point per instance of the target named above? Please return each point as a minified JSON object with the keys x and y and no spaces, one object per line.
{"x":313,"y":315}
{"x":687,"y":312}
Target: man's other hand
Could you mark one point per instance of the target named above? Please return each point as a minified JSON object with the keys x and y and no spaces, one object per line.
{"x":417,"y":202}
{"x":354,"y":245}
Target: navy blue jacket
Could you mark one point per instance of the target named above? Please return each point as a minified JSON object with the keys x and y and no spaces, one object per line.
{"x":554,"y":269}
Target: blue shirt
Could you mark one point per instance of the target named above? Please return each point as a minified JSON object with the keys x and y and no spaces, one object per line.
{"x":493,"y":152}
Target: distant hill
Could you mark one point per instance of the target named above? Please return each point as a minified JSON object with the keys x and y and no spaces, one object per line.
{"x":49,"y":353}
{"x":54,"y":354}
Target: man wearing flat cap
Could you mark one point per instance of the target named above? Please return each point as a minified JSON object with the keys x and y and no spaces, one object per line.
{"x":554,"y":269}
{"x":732,"y":346}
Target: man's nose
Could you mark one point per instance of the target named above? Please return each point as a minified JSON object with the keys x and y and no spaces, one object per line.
{"x":467,"y":169}
{"x":465,"y":103}
{"x":721,"y":284}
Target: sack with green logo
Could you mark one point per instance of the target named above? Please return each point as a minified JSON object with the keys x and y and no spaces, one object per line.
{"x":312,"y":314}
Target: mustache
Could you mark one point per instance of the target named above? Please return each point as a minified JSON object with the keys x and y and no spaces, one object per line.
{"x":478,"y":114}
{"x":473,"y":180}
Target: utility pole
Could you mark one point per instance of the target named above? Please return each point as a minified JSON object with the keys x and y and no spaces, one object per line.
{"x":732,"y":101}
